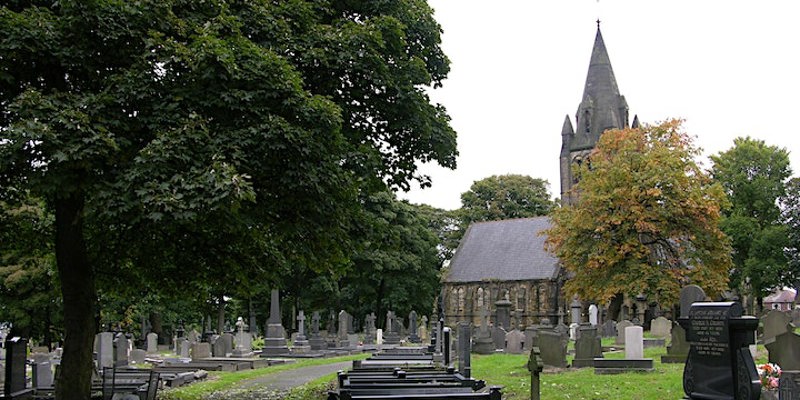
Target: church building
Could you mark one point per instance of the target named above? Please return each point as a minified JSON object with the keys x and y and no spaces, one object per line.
{"x":498,"y":262}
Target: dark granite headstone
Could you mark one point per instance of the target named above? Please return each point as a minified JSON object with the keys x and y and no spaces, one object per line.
{"x":503,"y":318}
{"x":719,"y":365}
{"x":587,"y":347}
{"x":690,"y":294}
{"x":464,"y":349}
{"x":553,"y":347}
{"x":784,"y":350}
{"x":678,"y":349}
{"x":499,"y":337}
{"x":16,"y":356}
{"x":413,"y":335}
{"x":789,"y":385}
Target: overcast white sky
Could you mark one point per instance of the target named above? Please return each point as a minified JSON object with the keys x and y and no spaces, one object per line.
{"x":729,"y":68}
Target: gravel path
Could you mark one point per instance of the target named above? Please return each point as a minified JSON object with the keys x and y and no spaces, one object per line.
{"x":289,"y":379}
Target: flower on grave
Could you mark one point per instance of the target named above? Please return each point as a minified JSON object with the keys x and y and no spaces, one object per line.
{"x":769,"y":374}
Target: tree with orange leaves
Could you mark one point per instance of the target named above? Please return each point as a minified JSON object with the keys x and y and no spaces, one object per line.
{"x":646,"y":222}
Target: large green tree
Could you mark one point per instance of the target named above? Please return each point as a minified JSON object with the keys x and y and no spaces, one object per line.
{"x":501,"y":197}
{"x":646,"y":220}
{"x":754,"y":177}
{"x":154,"y":128}
{"x":791,"y":220}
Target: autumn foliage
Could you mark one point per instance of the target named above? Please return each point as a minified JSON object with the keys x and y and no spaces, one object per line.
{"x":647,"y":219}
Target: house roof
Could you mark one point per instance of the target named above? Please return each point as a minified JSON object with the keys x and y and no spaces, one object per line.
{"x":507,"y":250}
{"x":780,"y":296}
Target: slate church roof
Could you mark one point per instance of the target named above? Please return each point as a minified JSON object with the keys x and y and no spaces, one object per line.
{"x":508,"y":250}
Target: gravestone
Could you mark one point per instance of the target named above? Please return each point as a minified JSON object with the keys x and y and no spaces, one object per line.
{"x":514,"y":342}
{"x":553,"y":347}
{"x":660,"y":327}
{"x":344,"y":341}
{"x":423,"y":330}
{"x":587,"y":347}
{"x":41,"y":367}
{"x":193,"y":336}
{"x":593,"y":314}
{"x":678,"y":349}
{"x":483,"y":340}
{"x":379,"y":336}
{"x":608,"y":329}
{"x":499,"y":337}
{"x":244,"y":341}
{"x":464,"y":349}
{"x":573,"y":331}
{"x":503,"y":316}
{"x":392,"y":333}
{"x":138,"y":356}
{"x":784,"y":349}
{"x":789,"y":385}
{"x":183,"y":348}
{"x":369,"y":329}
{"x":105,"y":349}
{"x":719,"y":365}
{"x":535,"y":366}
{"x":621,"y":331}
{"x":226,"y":344}
{"x":316,"y":342}
{"x":16,"y":356}
{"x":634,"y":342}
{"x":120,"y":350}
{"x":152,"y":343}
{"x":413,"y":334}
{"x":301,"y":345}
{"x":201,"y":350}
{"x":575,"y":311}
{"x":775,"y":323}
{"x":275,"y":341}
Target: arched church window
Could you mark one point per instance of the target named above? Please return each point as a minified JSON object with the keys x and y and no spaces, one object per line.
{"x":480,"y":299}
{"x":460,"y":300}
{"x":521,"y":298}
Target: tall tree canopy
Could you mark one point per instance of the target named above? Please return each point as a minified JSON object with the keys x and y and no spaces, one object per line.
{"x":501,"y":197}
{"x":791,"y":219}
{"x":754,"y":177}
{"x":154,"y":129}
{"x":646,"y":220}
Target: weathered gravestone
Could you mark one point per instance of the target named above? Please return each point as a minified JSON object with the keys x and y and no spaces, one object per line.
{"x":183,"y":348}
{"x":137,"y":356}
{"x":369,"y":329}
{"x":503,"y":310}
{"x":193,"y":336}
{"x":775,"y":323}
{"x":41,"y":367}
{"x":634,"y":355}
{"x":317,"y":342}
{"x":515,"y":340}
{"x":413,"y":335}
{"x":719,"y":365}
{"x":423,"y":330}
{"x":464,"y":348}
{"x":244,"y":341}
{"x":575,"y":311}
{"x":621,"y":325}
{"x":553,"y":347}
{"x":301,"y":345}
{"x":587,"y":347}
{"x":782,"y":343}
{"x":201,"y":350}
{"x":535,"y":366}
{"x":678,"y":349}
{"x":275,"y":342}
{"x":593,"y":311}
{"x":152,"y":343}
{"x":120,"y":350}
{"x":392,"y":333}
{"x":344,"y":340}
{"x":608,"y":329}
{"x":223,"y":345}
{"x":660,"y":327}
{"x":499,"y":337}
{"x":789,"y":385}
{"x":104,"y":342}
{"x":483,"y":340}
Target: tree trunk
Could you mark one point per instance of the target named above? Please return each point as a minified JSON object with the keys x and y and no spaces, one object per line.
{"x":78,"y":293}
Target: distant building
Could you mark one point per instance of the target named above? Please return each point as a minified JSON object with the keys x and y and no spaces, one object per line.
{"x":506,"y":259}
{"x":780,"y":300}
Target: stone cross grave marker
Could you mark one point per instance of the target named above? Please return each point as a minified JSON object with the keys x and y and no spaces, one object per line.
{"x":301,"y":344}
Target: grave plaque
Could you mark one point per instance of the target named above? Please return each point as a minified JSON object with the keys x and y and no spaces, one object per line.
{"x":719,"y":365}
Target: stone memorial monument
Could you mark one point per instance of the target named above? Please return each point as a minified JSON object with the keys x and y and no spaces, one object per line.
{"x":483,"y":340}
{"x":300,"y":344}
{"x":413,"y":335}
{"x":317,"y":342}
{"x":587,"y":347}
{"x":275,"y":342}
{"x":719,"y":365}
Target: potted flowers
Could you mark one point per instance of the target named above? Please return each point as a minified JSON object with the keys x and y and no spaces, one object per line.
{"x":770,"y":375}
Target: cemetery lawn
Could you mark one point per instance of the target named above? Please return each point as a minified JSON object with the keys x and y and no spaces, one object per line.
{"x":221,"y":381}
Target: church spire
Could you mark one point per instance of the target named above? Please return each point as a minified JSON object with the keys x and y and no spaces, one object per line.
{"x":602,"y":107}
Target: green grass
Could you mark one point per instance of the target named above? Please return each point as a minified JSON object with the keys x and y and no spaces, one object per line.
{"x":218,"y":381}
{"x":510,"y":371}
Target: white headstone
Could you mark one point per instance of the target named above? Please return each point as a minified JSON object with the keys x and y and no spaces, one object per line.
{"x":152,"y":342}
{"x":634,"y":343}
{"x":593,"y":314}
{"x":573,"y":331}
{"x":661,"y":327}
{"x":379,"y":334}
